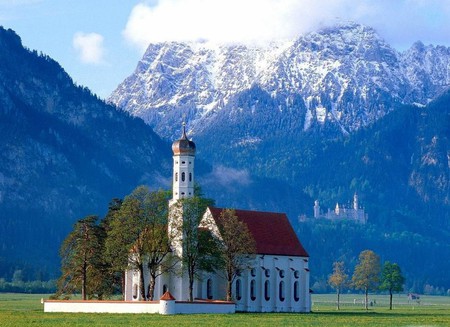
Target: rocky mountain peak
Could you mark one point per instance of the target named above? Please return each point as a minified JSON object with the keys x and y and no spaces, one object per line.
{"x":346,"y":75}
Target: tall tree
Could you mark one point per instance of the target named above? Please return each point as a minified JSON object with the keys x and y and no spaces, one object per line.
{"x":81,"y":259}
{"x":125,"y":244}
{"x":338,"y":279}
{"x":195,"y":256}
{"x":367,"y":273}
{"x":238,"y":247}
{"x":138,"y":237}
{"x":392,"y":279}
{"x":116,"y":278}
{"x":156,"y":238}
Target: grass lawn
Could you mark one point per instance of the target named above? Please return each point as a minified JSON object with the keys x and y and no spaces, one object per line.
{"x":27,"y":310}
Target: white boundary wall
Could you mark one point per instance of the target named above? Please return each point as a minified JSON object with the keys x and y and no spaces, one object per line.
{"x":139,"y":307}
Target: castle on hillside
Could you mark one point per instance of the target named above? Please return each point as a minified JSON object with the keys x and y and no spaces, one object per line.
{"x":353,"y":213}
{"x":277,"y":279}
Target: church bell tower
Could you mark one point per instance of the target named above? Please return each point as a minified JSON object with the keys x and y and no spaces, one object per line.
{"x":183,"y":167}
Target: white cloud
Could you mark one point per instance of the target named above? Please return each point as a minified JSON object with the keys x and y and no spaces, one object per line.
{"x":228,"y":178}
{"x":89,"y":47}
{"x":262,"y":20}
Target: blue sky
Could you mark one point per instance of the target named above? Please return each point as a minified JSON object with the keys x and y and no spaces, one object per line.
{"x":99,"y":42}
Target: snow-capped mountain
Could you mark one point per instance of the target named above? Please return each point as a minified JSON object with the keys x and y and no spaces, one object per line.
{"x":346,"y":76}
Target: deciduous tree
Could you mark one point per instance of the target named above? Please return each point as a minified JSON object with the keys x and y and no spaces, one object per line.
{"x":367,"y":273}
{"x":81,"y":259}
{"x":138,"y":235}
{"x":198,"y":251}
{"x":156,"y":238}
{"x":338,"y":279}
{"x":392,"y":279}
{"x":237,"y":247}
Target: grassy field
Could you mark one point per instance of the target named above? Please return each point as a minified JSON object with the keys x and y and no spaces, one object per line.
{"x":27,"y":310}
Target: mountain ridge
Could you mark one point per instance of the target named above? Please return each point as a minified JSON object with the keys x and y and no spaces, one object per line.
{"x":347,"y":76}
{"x":65,"y":154}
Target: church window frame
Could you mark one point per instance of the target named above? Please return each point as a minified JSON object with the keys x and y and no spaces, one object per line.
{"x":190,"y":177}
{"x":267,"y":290}
{"x":253,"y":272}
{"x":176,"y":177}
{"x":281,"y":294}
{"x":164,"y":289}
{"x":297,"y":274}
{"x":267,"y":273}
{"x":135,"y":291}
{"x":282,"y":273}
{"x":183,"y":176}
{"x":253,"y":290}
{"x":209,"y":292}
{"x":238,"y":290}
{"x":296,"y":291}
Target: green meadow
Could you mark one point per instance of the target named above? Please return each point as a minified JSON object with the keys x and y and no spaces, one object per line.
{"x":27,"y":310}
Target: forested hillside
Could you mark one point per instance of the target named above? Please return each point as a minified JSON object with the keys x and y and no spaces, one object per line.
{"x":400,"y":168}
{"x":64,"y":154}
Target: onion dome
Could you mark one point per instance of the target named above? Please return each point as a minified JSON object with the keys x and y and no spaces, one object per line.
{"x":183,"y":146}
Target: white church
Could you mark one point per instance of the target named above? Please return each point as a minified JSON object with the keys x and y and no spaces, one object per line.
{"x":278,"y":280}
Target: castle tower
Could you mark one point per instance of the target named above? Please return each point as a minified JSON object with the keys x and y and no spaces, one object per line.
{"x":183,"y":167}
{"x":316,"y":209}
{"x":355,"y":201}
{"x":337,"y":209}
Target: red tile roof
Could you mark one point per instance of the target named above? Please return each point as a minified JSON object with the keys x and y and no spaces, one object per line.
{"x":272,"y":232}
{"x":167,"y":297}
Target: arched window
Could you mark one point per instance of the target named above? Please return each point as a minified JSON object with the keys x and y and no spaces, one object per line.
{"x":135,"y":291}
{"x":267,"y":290}
{"x":282,"y":273}
{"x":183,"y":176}
{"x":209,"y":289}
{"x":253,"y":272}
{"x":164,"y":290}
{"x":252,"y":290}
{"x":281,"y":291}
{"x":296,"y":274}
{"x":190,"y":177}
{"x":267,"y":272}
{"x":238,"y":289}
{"x":176,"y":177}
{"x":296,"y":292}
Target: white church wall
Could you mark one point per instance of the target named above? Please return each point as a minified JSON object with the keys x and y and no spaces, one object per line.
{"x":161,"y":307}
{"x":101,"y":306}
{"x":274,"y":270}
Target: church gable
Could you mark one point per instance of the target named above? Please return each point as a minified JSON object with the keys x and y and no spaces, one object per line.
{"x":271,"y":231}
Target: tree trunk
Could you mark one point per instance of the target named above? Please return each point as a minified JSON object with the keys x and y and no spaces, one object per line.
{"x":338,"y":293}
{"x":229,"y":294}
{"x":191,"y":286}
{"x":390,"y":299}
{"x":151,"y":287}
{"x":141,"y":281}
{"x":122,"y":284}
{"x":191,"y":283}
{"x":84,"y":282}
{"x":367,"y":299}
